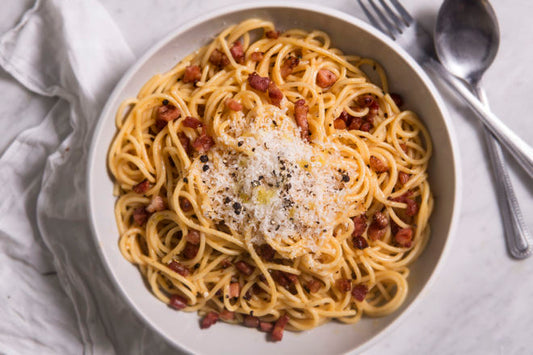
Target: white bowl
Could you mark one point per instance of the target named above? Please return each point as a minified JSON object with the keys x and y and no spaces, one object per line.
{"x":351,"y":35}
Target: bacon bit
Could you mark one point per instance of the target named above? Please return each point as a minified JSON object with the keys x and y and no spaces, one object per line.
{"x":225,"y":263}
{"x":244,"y":267}
{"x":403,"y":177}
{"x":359,"y":223}
{"x":356,"y":123}
{"x":140,"y":216}
{"x":209,"y":319}
{"x":277,"y":332}
{"x":366,"y":127}
{"x":251,"y":322}
{"x":275,"y":94}
{"x":185,"y":204}
{"x":404,"y":237}
{"x":185,"y":142}
{"x":256,"y":289}
{"x":325,"y":78}
{"x":234,"y":289}
{"x":404,"y":147}
{"x":380,"y":220}
{"x":258,"y":82}
{"x":344,"y":117}
{"x":237,"y":52}
{"x":398,"y":100}
{"x":165,"y":114}
{"x":412,"y":206}
{"x":272,"y":34}
{"x":177,"y":302}
{"x":142,"y":187}
{"x":192,"y":74}
{"x":313,"y":285}
{"x":372,"y":112}
{"x":344,"y":285}
{"x":366,"y":100}
{"x":190,"y":251}
{"x":291,"y":277}
{"x":233,"y":105}
{"x":375,"y":233}
{"x":179,"y":268}
{"x":192,"y":122}
{"x":219,"y":58}
{"x":266,"y":252}
{"x":359,"y":292}
{"x":227,"y":315}
{"x":339,"y":124}
{"x":257,"y":56}
{"x":280,"y":278}
{"x":157,"y":204}
{"x":193,"y":237}
{"x":377,"y":227}
{"x":203,"y":143}
{"x":359,"y":242}
{"x":378,"y":165}
{"x":265,"y":326}
{"x":300,"y":114}
{"x":288,"y":66}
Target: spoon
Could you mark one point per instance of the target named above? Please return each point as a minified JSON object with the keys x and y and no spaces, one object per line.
{"x":467,"y":38}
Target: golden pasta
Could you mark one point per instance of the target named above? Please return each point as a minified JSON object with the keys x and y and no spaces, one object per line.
{"x":266,"y":180}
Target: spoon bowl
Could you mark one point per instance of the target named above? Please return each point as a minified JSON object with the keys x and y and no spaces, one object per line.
{"x":467,"y":37}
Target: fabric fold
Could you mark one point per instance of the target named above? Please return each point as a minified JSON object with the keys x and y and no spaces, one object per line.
{"x":72,"y":51}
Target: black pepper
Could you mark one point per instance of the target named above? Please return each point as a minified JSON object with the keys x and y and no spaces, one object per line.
{"x":239,"y":143}
{"x":345,"y":177}
{"x":204,"y":158}
{"x":205,"y":167}
{"x":185,"y":180}
{"x":227,"y":199}
{"x":386,"y":115}
{"x":165,"y":102}
{"x":237,"y":207}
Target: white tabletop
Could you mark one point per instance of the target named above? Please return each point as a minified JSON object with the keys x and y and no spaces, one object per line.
{"x":482,"y":301}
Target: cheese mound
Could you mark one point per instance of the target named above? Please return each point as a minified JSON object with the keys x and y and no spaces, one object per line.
{"x":274,"y":186}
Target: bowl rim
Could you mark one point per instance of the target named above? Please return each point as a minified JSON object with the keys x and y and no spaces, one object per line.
{"x":224,"y":11}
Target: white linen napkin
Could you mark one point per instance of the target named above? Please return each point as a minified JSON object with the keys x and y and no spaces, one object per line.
{"x":72,"y":52}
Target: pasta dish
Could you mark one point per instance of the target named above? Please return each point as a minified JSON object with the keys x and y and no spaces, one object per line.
{"x":266,"y":181}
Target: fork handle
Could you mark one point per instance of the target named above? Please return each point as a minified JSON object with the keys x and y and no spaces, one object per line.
{"x":519,"y":149}
{"x":515,"y":230}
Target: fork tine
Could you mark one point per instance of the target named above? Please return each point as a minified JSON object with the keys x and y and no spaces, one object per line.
{"x":393,"y":31}
{"x":407,"y":18}
{"x":397,"y":20}
{"x":371,"y":18}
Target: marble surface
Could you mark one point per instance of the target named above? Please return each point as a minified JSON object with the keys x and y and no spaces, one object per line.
{"x":481,"y":303}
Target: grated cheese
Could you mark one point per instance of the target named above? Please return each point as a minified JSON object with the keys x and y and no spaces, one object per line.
{"x":275,"y":185}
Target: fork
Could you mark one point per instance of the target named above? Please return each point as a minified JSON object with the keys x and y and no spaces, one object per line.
{"x":402,"y":28}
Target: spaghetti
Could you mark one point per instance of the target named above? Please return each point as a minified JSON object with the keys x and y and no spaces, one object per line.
{"x":265,"y":180}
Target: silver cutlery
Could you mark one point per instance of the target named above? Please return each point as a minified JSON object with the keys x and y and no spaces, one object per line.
{"x":418,"y":43}
{"x":467,"y":62}
{"x":467,"y":38}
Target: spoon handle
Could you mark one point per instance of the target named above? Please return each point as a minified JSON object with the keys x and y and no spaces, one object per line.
{"x":516,"y":233}
{"x":519,"y":149}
